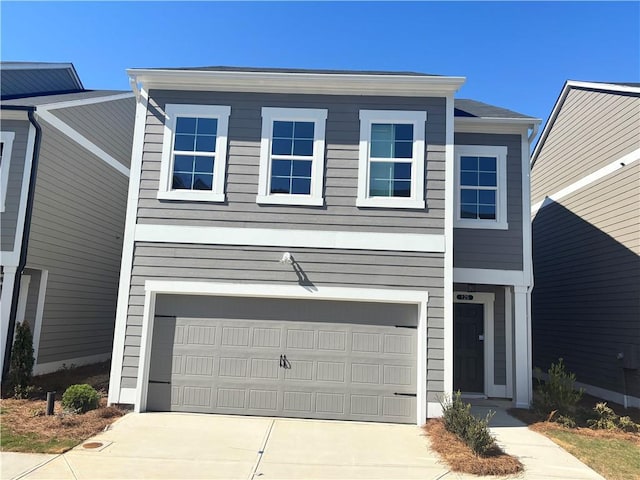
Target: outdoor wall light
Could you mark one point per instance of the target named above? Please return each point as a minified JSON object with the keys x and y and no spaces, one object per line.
{"x":286,"y":259}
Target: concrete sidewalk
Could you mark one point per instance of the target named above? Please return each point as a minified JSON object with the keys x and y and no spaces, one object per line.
{"x":193,"y":446}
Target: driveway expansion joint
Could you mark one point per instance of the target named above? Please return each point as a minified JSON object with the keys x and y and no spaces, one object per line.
{"x":263,"y":447}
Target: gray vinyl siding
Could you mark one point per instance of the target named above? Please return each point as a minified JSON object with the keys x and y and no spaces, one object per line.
{"x":32,"y":81}
{"x":499,"y":328}
{"x":76,"y":234}
{"x":217,"y":263}
{"x":341,"y":167}
{"x":32,"y":297}
{"x":107,"y":124}
{"x":9,"y":218}
{"x":592,"y":130}
{"x":494,"y":249}
{"x":586,"y":302}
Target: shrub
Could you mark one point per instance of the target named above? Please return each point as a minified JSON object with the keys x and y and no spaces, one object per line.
{"x":558,"y":392}
{"x":471,"y":430}
{"x":21,"y":365}
{"x":80,"y":398}
{"x":607,"y":419}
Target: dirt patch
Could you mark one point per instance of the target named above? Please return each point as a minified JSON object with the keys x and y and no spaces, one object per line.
{"x":460,"y":458}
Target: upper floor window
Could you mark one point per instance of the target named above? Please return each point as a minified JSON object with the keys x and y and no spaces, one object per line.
{"x":194,"y":152}
{"x":391,"y":167}
{"x":292,"y":156}
{"x":481,"y":184}
{"x":6,"y":146}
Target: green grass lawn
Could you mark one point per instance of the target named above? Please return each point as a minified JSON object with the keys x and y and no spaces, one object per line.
{"x":613,"y":458}
{"x":10,"y":442}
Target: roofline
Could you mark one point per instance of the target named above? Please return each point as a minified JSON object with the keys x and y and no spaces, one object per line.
{"x":43,"y":66}
{"x":296,"y":82}
{"x":568,"y":85}
{"x":511,"y":120}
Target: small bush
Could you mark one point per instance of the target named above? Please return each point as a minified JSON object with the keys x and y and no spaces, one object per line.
{"x":471,"y":430}
{"x":80,"y":398}
{"x":21,"y":365}
{"x":558,"y":392}
{"x":607,"y":419}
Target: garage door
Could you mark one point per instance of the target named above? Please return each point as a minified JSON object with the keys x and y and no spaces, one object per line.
{"x":283,"y":368}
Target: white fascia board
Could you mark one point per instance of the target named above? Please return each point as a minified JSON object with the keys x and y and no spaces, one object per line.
{"x":495,"y":125}
{"x":449,"y":276}
{"x":84,"y":101}
{"x":13,"y":114}
{"x":83,"y":141}
{"x":35,"y":66}
{"x":483,"y":276}
{"x":267,"y":237}
{"x":612,"y":87}
{"x":296,"y":82}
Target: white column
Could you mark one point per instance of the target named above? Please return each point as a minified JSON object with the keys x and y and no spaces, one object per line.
{"x":522,"y":394}
{"x":8,"y":280}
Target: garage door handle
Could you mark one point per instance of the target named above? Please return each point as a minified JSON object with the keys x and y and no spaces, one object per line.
{"x":405,"y":394}
{"x":156,"y":381}
{"x":281,"y":361}
{"x":284,"y":363}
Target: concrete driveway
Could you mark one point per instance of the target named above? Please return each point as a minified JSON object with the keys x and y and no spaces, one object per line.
{"x":193,"y":446}
{"x":175,"y":445}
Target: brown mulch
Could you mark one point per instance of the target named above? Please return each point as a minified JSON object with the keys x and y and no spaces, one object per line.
{"x":460,"y":458}
{"x":25,"y":417}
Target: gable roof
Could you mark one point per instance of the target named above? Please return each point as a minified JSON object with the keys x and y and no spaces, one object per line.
{"x":615,"y":88}
{"x":20,"y":79}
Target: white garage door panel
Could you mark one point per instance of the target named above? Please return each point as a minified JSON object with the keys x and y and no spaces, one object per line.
{"x":290,"y":369}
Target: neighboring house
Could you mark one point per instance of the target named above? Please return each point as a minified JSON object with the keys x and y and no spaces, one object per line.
{"x":298,"y":243}
{"x":65,"y":173}
{"x":585,"y":194}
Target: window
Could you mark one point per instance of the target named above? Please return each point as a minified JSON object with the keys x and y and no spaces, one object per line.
{"x":481,"y":187}
{"x":194,"y":153}
{"x":6,"y":146}
{"x":391,"y":168}
{"x":292,"y":156}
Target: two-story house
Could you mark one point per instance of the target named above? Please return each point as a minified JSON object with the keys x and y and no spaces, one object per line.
{"x":65,"y":153}
{"x":322,"y":244}
{"x":585,"y":195}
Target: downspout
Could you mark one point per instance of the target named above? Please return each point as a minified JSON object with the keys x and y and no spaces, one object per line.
{"x":25,"y":237}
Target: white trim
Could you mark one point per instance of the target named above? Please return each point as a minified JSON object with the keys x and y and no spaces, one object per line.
{"x":522,"y":394}
{"x":155,"y":287}
{"x":128,"y":396}
{"x":42,"y":368}
{"x":338,"y":83}
{"x":319,"y":118}
{"x":83,"y":141}
{"x":22,"y":115}
{"x":612,"y":167}
{"x":500,"y":154}
{"x":221,"y":113}
{"x":434,"y":410}
{"x":489,"y":277}
{"x":36,"y":66}
{"x":402,"y":242}
{"x":449,"y":276}
{"x":626,"y":401}
{"x":6,"y":138}
{"x":527,"y":249}
{"x":84,"y":101}
{"x":613,"y":88}
{"x":6,"y":297}
{"x":418,"y":120}
{"x":508,"y":339}
{"x":127,"y":250}
{"x":37,"y":329}
{"x":487,"y":300}
{"x":25,"y":280}
{"x":495,"y":125}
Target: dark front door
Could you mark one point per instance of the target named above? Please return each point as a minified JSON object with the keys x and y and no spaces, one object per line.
{"x":468,"y":347}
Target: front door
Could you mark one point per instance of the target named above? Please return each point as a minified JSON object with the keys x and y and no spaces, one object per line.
{"x":468,"y":347}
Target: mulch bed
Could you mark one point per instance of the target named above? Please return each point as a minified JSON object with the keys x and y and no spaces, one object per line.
{"x":460,"y":458}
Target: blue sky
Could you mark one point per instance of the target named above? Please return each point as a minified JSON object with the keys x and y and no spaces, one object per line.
{"x":514,"y":54}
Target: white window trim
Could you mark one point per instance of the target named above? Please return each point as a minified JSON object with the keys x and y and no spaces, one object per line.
{"x":500,"y":152}
{"x":7,"y":139}
{"x":219,"y":112}
{"x":418,"y":119}
{"x":319,"y":118}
